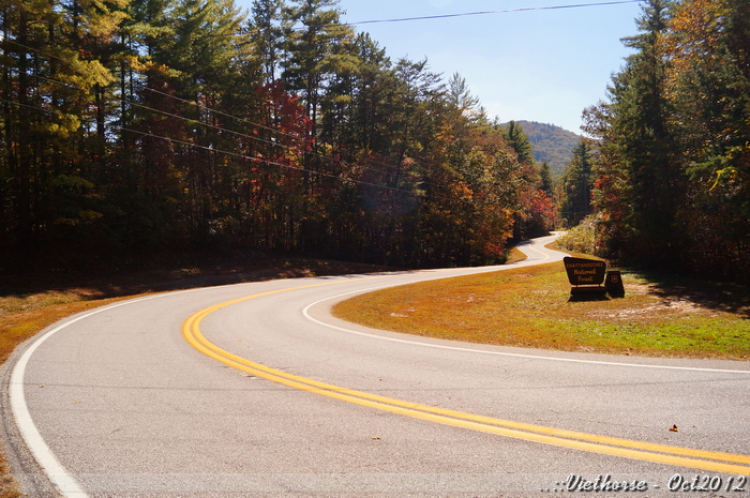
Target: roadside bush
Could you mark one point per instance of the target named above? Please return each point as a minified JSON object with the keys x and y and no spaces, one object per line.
{"x":582,"y":238}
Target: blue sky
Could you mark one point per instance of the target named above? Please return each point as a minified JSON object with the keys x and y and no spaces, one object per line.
{"x":542,"y":65}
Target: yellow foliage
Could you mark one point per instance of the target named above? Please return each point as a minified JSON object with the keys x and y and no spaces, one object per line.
{"x":694,"y":35}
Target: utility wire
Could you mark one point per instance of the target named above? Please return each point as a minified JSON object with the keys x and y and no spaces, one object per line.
{"x":221,"y":113}
{"x":297,"y":137}
{"x":288,"y":166}
{"x":266,"y":141}
{"x":272,"y":143}
{"x":257,"y":125}
{"x":254,"y":159}
{"x":465,"y":14}
{"x":222,"y":129}
{"x":46,"y":110}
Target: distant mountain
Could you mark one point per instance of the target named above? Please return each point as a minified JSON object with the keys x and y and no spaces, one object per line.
{"x":551,"y":144}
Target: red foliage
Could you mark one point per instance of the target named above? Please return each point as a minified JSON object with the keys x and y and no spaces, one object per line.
{"x":285,"y":113}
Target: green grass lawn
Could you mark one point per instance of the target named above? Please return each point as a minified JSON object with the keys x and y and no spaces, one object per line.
{"x":531,"y":307}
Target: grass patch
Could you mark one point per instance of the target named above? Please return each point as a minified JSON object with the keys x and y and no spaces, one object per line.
{"x":515,"y":255}
{"x":530,"y":307}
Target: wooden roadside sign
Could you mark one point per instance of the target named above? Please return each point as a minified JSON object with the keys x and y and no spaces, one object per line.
{"x":589,"y":272}
{"x":587,"y":275}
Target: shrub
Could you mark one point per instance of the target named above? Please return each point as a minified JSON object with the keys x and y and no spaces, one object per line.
{"x":581,"y":238}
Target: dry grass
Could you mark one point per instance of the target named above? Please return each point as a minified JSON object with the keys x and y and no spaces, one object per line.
{"x":8,"y":485}
{"x":531,"y":307}
{"x":515,"y":256}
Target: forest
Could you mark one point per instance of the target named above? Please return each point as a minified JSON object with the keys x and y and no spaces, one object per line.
{"x":137,"y":129}
{"x":131,"y":129}
{"x":666,"y":172}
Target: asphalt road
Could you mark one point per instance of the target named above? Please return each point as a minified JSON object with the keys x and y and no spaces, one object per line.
{"x":182,"y":394}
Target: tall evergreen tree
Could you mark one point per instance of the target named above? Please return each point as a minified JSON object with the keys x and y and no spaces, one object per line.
{"x":577,"y":185}
{"x":55,"y":65}
{"x":545,"y":175}
{"x":311,"y":50}
{"x":639,"y":115}
{"x":136,"y":127}
{"x":709,"y":88}
{"x":266,"y":33}
{"x":519,"y":141}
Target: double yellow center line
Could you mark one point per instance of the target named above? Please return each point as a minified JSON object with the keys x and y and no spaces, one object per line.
{"x":657,"y":453}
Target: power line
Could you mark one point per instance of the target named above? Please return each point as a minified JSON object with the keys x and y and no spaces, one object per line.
{"x":221,"y":113}
{"x":300,"y":152}
{"x":465,"y":14}
{"x":242,"y":120}
{"x":243,"y":135}
{"x":254,"y":159}
{"x":43,"y":109}
{"x":288,"y":166}
{"x":275,"y":144}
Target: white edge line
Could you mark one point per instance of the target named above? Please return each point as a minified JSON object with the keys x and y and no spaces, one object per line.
{"x":51,"y":466}
{"x":54,"y":470}
{"x":66,"y":484}
{"x":307,"y":315}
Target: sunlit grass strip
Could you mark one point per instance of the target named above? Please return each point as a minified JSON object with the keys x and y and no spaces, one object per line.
{"x":529,"y":307}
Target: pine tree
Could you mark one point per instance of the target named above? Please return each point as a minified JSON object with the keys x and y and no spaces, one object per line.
{"x":519,"y":141}
{"x":54,"y":66}
{"x":577,"y":185}
{"x":266,"y":34}
{"x":311,"y":50}
{"x":639,"y":116}
{"x":709,"y":82}
{"x":545,"y":175}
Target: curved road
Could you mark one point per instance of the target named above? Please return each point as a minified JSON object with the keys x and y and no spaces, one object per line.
{"x":254,"y":390}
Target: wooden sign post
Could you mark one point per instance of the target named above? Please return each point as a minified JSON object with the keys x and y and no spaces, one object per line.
{"x":614,"y":284}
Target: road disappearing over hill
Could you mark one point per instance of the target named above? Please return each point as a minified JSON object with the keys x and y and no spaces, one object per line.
{"x":254,"y":390}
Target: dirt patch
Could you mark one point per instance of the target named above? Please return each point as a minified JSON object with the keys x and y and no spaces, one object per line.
{"x":710,"y":297}
{"x":662,"y":310}
{"x":669,"y":305}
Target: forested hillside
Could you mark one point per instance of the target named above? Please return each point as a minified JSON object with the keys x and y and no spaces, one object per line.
{"x":142,"y":127}
{"x":672,"y":163}
{"x":552,"y":145}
